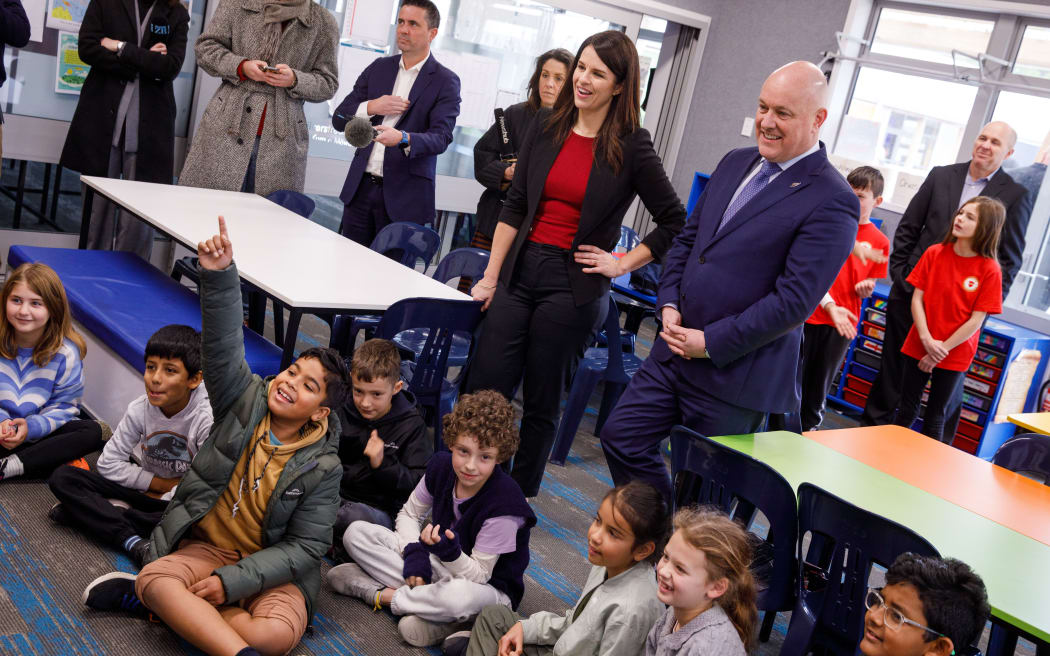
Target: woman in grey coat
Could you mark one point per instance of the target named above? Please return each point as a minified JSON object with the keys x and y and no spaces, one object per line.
{"x":272,"y":56}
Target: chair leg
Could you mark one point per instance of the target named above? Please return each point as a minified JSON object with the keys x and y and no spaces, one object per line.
{"x":583,"y":384}
{"x":768,"y":618}
{"x":610,"y":397}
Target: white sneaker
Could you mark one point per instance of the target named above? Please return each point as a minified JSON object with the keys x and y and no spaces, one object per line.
{"x":419,"y":632}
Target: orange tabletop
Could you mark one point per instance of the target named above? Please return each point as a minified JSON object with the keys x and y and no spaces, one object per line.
{"x":998,"y":494}
{"x":1038,"y":422}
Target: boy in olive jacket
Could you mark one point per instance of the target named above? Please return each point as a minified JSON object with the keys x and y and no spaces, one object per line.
{"x":236,"y":557}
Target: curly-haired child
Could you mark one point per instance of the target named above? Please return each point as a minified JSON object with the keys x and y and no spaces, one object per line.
{"x":475,"y":551}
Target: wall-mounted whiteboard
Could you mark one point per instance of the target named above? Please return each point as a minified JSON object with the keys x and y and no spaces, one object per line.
{"x":367,"y":21}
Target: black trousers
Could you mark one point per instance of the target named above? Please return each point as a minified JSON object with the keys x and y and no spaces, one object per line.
{"x":886,"y":390}
{"x":365,"y":215}
{"x":85,"y":497}
{"x":823,"y":349}
{"x":534,"y":328}
{"x":72,"y":440}
{"x":945,"y":393}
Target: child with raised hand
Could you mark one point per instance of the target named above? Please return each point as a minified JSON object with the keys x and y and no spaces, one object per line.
{"x":237,"y":556}
{"x":958,"y":283}
{"x":475,"y":549}
{"x":618,"y":603}
{"x":41,"y":377}
{"x":148,"y":454}
{"x":705,"y":580}
{"x":929,"y":607}
{"x":384,"y":446}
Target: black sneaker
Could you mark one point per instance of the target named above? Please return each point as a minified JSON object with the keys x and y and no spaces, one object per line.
{"x":114,"y":591}
{"x":58,"y":514}
{"x":139,"y":553}
{"x":456,"y":644}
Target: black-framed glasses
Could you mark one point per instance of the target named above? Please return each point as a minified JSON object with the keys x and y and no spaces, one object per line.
{"x":892,"y":617}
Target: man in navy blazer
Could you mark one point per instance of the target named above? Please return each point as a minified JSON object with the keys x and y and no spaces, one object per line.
{"x":762,"y":246}
{"x":413,"y":101}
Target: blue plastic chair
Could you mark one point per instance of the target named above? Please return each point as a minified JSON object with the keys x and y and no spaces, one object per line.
{"x":468,"y":262}
{"x":404,"y":242}
{"x":707,"y":473}
{"x":442,"y":319}
{"x":1027,"y":453}
{"x":628,"y":240}
{"x":609,"y":364}
{"x":833,"y":575}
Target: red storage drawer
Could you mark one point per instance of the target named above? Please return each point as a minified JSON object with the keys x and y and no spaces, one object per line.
{"x":970,"y":430}
{"x":872,"y":331}
{"x":964,"y":443}
{"x":853,"y":397}
{"x":858,"y":385}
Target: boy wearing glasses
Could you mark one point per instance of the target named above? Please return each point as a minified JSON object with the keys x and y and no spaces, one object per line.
{"x":929,"y":607}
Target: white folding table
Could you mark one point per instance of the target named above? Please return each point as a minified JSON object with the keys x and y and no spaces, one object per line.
{"x":305,"y":266}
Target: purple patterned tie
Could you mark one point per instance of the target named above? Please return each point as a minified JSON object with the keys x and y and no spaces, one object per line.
{"x":750,"y":190}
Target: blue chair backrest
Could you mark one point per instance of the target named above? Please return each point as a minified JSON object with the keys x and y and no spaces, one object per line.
{"x":845,"y":541}
{"x":614,"y":372}
{"x":294,"y":201}
{"x":442,"y":318}
{"x":1028,"y":453}
{"x":411,"y":241}
{"x":469,"y":262}
{"x":723,"y":477}
{"x":628,"y":240}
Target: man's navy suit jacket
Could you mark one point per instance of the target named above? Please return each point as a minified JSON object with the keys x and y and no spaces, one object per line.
{"x":751,"y":285}
{"x":408,"y":182}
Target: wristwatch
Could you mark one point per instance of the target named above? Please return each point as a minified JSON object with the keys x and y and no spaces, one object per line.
{"x":120,"y":47}
{"x":404,"y":140}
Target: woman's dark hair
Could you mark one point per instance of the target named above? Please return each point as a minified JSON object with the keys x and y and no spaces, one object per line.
{"x":177,"y":342}
{"x":645,"y":510}
{"x":618,"y":53}
{"x":991,"y":215}
{"x":953,"y":596}
{"x":557,"y":54}
{"x":336,"y":374}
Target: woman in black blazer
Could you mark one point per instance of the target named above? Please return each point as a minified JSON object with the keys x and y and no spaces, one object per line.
{"x":552,"y":69}
{"x":547,"y":281}
{"x":135,"y":49}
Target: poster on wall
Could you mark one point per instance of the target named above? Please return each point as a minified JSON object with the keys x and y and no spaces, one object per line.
{"x":367,"y":21}
{"x":70,"y":70}
{"x":66,"y":14}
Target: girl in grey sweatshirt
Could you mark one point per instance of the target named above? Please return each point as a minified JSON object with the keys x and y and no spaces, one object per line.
{"x":704,"y":578}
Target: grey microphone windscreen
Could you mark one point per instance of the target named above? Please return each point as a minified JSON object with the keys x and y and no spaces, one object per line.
{"x":359,"y":132}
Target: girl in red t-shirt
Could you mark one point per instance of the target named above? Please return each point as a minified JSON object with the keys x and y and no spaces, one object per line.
{"x":957,"y":285}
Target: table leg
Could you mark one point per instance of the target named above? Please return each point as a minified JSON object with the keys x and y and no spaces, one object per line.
{"x":16,"y":223}
{"x":290,"y":336}
{"x":44,"y":188}
{"x":85,"y":215}
{"x":257,"y":311}
{"x":57,"y":193}
{"x":278,"y":323}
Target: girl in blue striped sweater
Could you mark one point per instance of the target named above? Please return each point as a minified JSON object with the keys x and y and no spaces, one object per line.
{"x":41,"y":377}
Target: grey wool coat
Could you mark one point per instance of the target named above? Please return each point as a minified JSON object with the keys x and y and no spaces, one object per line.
{"x":222,"y":144}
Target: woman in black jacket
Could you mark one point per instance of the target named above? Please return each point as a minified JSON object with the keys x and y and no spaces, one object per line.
{"x":552,"y":69}
{"x":14,"y":31}
{"x":124,"y":124}
{"x":548,"y":278}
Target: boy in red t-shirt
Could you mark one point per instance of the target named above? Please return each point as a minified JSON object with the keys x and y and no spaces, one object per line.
{"x":957,"y":283}
{"x":827,"y":334}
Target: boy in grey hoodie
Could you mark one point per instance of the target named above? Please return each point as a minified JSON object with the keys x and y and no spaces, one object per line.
{"x":149,"y":452}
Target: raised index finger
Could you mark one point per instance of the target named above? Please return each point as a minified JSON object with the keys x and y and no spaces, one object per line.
{"x":222,"y":227}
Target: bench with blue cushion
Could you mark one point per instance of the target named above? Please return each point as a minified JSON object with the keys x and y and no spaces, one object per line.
{"x":122,"y":300}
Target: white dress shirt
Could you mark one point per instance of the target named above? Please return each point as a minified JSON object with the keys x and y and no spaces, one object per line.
{"x":973,"y":188}
{"x":406,"y":77}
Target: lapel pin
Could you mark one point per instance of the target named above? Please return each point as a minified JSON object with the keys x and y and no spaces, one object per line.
{"x":795,"y":184}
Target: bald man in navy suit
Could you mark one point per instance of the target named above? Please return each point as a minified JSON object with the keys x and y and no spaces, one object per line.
{"x":413,"y":101}
{"x":762,"y":246}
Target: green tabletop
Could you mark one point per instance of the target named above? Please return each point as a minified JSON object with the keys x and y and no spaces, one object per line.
{"x":1014,"y":567}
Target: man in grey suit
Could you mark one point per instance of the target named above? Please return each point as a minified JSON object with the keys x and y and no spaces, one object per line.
{"x":926,"y":222}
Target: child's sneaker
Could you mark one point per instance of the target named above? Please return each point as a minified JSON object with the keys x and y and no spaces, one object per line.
{"x":58,"y":514}
{"x":80,"y":463}
{"x":419,"y":632}
{"x":139,"y":553}
{"x":351,"y":580}
{"x":456,"y":644}
{"x":114,"y":591}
